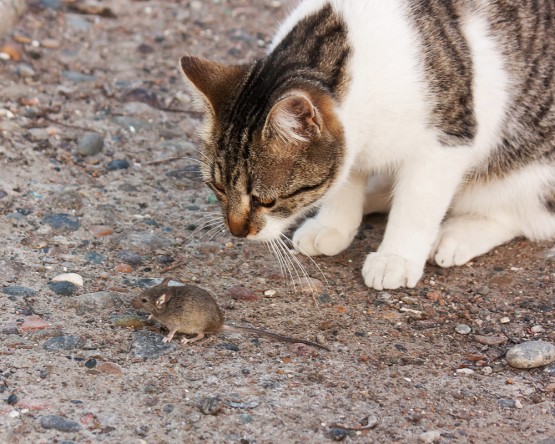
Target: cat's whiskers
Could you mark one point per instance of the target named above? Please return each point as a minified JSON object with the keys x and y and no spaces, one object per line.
{"x":213,"y":232}
{"x":206,"y":224}
{"x":306,"y":255}
{"x":283,"y":251}
{"x":273,"y":250}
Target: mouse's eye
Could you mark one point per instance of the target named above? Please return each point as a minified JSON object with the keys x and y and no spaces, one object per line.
{"x":145,"y":300}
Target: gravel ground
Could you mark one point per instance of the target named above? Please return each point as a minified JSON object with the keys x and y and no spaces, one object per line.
{"x":78,"y":364}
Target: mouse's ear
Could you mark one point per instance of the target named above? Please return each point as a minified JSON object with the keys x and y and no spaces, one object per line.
{"x":163,"y":300}
{"x":165,"y":282}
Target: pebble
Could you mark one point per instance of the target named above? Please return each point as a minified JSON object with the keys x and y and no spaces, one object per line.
{"x":16,"y":290}
{"x":50,"y":43}
{"x":94,"y":303}
{"x":69,"y":200}
{"x":505,"y":320}
{"x":142,"y":241}
{"x":90,"y":144}
{"x":12,"y":51}
{"x":118,"y":164}
{"x":239,"y":292}
{"x":52,"y":4}
{"x":77,"y":77}
{"x":210,"y":405}
{"x":123,"y":268}
{"x":131,"y":258}
{"x":537,"y":329}
{"x":211,"y":199}
{"x":62,"y":221}
{"x":463,"y":329}
{"x":131,"y":123}
{"x":531,"y":354}
{"x":270,"y":293}
{"x":38,"y":134}
{"x":101,"y":230}
{"x":309,"y":285}
{"x":76,"y":21}
{"x":129,"y":321}
{"x":63,"y":343}
{"x":465,"y":371}
{"x":490,"y":340}
{"x":109,"y":368}
{"x":95,"y":258}
{"x":146,"y":344}
{"x":12,"y":399}
{"x":507,"y":403}
{"x":63,"y":288}
{"x":33,"y":323}
{"x":59,"y":423}
{"x":337,"y":434}
{"x":74,"y":278}
{"x":429,"y":437}
{"x":25,"y":70}
{"x":90,"y":363}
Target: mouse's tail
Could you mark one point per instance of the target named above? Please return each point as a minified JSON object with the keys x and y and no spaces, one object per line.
{"x":276,"y":336}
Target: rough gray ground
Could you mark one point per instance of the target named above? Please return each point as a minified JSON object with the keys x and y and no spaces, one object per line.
{"x":74,"y":368}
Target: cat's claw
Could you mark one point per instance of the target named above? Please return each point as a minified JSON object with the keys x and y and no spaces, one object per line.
{"x":313,"y":239}
{"x":390,"y":271}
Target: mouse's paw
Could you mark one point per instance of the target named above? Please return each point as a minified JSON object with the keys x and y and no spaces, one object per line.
{"x":169,"y":337}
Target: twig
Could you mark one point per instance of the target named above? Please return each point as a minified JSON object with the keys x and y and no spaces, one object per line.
{"x":174,"y":266}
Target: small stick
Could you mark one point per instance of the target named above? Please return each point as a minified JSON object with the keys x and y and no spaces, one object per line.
{"x":174,"y":266}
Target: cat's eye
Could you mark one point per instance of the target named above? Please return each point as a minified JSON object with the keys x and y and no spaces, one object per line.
{"x":260,"y":202}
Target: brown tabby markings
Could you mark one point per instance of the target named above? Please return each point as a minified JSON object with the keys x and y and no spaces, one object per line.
{"x":313,"y":59}
{"x":448,"y":68}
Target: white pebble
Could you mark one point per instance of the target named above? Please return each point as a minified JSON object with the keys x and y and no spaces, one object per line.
{"x":269,"y":293}
{"x":505,"y":320}
{"x":14,"y":414}
{"x":465,"y":371}
{"x":518,"y":404}
{"x":531,"y":354}
{"x":74,"y":278}
{"x":463,"y":329}
{"x":430,"y":437}
{"x":537,"y":329}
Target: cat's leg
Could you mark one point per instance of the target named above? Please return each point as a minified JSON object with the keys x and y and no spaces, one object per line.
{"x":378,"y":194}
{"x":332,"y":230}
{"x":465,"y":237}
{"x":489,"y":213}
{"x":422,"y":193}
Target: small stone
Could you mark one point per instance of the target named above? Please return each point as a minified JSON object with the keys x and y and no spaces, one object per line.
{"x":118,"y":164}
{"x":12,"y":399}
{"x":94,"y":303}
{"x":211,"y":199}
{"x":62,"y":221}
{"x":50,"y":43}
{"x":465,"y":371}
{"x":531,"y":354}
{"x":504,"y":320}
{"x":309,"y":285}
{"x":142,"y":241}
{"x":507,"y":403}
{"x":59,"y":423}
{"x":239,"y":292}
{"x":487,"y":370}
{"x":38,"y":134}
{"x":12,"y":51}
{"x":123,"y":268}
{"x":429,"y":437}
{"x":77,"y":77}
{"x":537,"y":329}
{"x":63,"y":343}
{"x":33,"y":323}
{"x":74,"y":278}
{"x":109,"y":368}
{"x":90,"y":363}
{"x":101,"y":230}
{"x":336,"y":434}
{"x":16,"y":290}
{"x":149,"y":345}
{"x":409,"y":300}
{"x":90,"y":144}
{"x":128,"y":321}
{"x":95,"y":258}
{"x":210,"y":405}
{"x":25,"y":70}
{"x":270,"y":293}
{"x":63,"y":288}
{"x":131,"y":258}
{"x":132,"y":124}
{"x":68,"y":200}
{"x":230,"y":347}
{"x":463,"y":329}
{"x":490,"y":340}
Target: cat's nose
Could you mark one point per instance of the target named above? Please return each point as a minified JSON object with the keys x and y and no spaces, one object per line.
{"x":239,"y":227}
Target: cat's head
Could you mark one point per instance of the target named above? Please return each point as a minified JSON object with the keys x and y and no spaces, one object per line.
{"x":270,"y":152}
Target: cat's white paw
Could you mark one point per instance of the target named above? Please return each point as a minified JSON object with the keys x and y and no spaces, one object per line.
{"x":463,"y":238}
{"x":390,"y":271}
{"x":313,"y":239}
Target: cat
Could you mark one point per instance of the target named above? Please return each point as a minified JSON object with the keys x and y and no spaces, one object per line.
{"x":439,"y":112}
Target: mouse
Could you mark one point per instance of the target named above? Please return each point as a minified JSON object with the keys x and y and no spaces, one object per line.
{"x":192,"y":310}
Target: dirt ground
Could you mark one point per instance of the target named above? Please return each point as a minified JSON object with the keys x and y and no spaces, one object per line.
{"x":78,"y":364}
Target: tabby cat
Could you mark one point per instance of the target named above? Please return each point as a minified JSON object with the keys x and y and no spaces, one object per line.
{"x":440,"y":112}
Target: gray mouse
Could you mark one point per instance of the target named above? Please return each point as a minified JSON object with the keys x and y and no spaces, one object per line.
{"x":191,"y":310}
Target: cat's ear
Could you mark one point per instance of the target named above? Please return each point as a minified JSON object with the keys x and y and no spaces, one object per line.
{"x":294,"y":120}
{"x":212,"y":81}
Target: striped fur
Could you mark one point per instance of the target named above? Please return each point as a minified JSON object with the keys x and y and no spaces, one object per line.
{"x":447,"y":105}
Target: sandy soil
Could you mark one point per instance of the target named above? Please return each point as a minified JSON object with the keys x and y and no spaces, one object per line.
{"x":83,"y":366}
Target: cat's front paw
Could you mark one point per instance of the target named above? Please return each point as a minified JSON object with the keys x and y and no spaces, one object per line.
{"x":390,"y":271}
{"x":313,"y":239}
